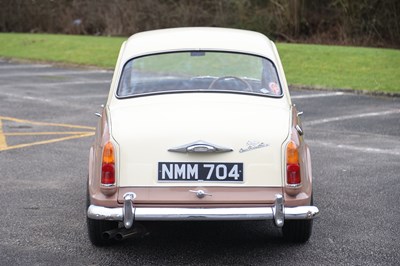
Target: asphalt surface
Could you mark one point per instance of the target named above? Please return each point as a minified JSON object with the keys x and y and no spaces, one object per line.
{"x":46,"y":128}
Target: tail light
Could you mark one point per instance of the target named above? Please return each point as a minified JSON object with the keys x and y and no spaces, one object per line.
{"x":293,"y":177}
{"x":108,"y":165}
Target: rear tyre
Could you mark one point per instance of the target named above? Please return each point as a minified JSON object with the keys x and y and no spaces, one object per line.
{"x":97,"y":227}
{"x":298,"y":231}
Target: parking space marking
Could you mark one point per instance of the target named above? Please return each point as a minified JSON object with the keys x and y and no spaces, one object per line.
{"x":25,"y":97}
{"x":89,"y":131}
{"x":347,"y":117}
{"x":44,"y":123}
{"x":47,"y":141}
{"x":317,"y":95}
{"x":53,"y":102}
{"x":45,"y":133}
{"x":355,"y":148}
{"x":52,"y":84}
{"x":3,"y":143}
{"x":23,"y":66}
{"x":60,"y":73}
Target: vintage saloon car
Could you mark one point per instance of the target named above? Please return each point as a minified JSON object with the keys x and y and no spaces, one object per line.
{"x":198,"y":126}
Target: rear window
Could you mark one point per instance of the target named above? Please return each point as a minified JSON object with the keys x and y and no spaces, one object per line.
{"x":199,"y":71}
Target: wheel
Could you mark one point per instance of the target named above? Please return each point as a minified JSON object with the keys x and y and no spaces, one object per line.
{"x":298,"y":231}
{"x":224,"y":78}
{"x":97,"y":227}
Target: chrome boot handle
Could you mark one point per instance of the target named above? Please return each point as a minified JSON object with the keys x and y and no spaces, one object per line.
{"x":200,"y":193}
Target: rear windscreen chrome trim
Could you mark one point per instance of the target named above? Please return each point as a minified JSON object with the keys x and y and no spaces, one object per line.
{"x":198,"y":91}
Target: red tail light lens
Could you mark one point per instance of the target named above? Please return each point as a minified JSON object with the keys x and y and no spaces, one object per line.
{"x":293,"y":176}
{"x":108,"y":165}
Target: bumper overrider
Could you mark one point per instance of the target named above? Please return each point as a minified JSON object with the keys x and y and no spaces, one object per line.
{"x":128,"y":213}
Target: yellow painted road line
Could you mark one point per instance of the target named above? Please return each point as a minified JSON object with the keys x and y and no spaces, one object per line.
{"x":68,"y":134}
{"x":45,"y":133}
{"x":46,"y":141}
{"x":44,"y":123}
{"x":3,"y":143}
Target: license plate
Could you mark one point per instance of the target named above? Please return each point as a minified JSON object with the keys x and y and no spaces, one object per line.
{"x":221,"y":172}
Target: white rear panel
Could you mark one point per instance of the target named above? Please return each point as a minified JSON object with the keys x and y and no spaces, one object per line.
{"x":145,"y":128}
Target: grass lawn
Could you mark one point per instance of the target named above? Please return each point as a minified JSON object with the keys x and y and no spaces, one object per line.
{"x":307,"y":65}
{"x":73,"y":49}
{"x":341,"y":67}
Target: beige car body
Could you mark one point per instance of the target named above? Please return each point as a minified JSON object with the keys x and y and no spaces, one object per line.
{"x":144,"y":129}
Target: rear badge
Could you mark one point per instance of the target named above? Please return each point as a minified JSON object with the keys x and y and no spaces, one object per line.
{"x":200,"y":147}
{"x":253,"y":145}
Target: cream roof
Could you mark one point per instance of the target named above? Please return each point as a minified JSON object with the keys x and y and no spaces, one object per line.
{"x":198,"y":38}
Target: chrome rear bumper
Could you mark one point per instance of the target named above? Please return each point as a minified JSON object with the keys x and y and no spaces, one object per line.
{"x":128,"y":214}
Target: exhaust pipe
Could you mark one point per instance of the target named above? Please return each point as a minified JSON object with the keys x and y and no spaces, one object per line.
{"x":124,"y":233}
{"x":120,"y":234}
{"x":107,"y":235}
